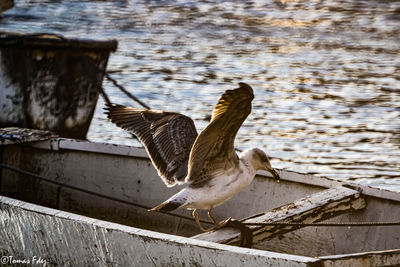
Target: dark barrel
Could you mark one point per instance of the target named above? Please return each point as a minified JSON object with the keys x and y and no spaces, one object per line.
{"x":49,"y":82}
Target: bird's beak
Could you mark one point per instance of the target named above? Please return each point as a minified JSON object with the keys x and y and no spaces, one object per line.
{"x":274,"y":173}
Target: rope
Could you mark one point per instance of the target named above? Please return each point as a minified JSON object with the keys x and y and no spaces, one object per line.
{"x":105,"y":96}
{"x":126,"y":91}
{"x":321,"y":224}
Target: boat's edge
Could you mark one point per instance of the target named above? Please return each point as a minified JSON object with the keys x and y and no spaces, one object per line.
{"x":45,"y":40}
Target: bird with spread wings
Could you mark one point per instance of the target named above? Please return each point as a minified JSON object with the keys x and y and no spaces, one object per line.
{"x":207,"y":163}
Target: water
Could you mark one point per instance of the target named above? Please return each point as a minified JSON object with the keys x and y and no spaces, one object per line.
{"x":326,"y":74}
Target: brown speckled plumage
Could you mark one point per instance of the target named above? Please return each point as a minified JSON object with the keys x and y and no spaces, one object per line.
{"x":168,"y":138}
{"x":172,"y":142}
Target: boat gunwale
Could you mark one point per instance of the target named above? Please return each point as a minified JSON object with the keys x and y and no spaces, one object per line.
{"x":54,"y":41}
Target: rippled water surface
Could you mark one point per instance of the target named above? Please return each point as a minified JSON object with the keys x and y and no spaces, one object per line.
{"x":326,"y":74}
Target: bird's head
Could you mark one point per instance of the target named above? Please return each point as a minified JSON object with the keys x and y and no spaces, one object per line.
{"x":260,"y":161}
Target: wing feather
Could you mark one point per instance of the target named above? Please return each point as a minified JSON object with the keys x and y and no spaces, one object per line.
{"x":167,"y":136}
{"x":213,"y":149}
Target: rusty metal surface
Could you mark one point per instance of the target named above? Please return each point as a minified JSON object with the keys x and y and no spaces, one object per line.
{"x":51,"y":83}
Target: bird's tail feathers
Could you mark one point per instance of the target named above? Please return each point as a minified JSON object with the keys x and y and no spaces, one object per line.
{"x":168,"y":205}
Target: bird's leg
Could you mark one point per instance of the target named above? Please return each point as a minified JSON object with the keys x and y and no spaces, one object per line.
{"x":217,"y":224}
{"x":210,"y":215}
{"x":196,"y":217}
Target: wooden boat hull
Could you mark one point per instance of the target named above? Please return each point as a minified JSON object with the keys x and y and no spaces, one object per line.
{"x":110,"y":231}
{"x":51,"y":83}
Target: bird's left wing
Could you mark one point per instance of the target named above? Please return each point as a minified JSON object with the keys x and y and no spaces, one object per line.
{"x":167,"y":136}
{"x":213,"y":151}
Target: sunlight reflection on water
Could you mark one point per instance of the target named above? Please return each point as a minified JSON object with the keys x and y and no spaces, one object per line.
{"x":325,"y":73}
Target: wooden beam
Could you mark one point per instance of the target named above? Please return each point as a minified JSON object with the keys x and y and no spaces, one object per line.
{"x":314,"y":208}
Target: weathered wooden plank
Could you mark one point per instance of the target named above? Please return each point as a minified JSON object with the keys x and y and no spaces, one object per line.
{"x":314,"y":208}
{"x":15,"y":135}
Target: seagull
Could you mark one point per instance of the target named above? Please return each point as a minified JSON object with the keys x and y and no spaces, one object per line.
{"x":207,"y":162}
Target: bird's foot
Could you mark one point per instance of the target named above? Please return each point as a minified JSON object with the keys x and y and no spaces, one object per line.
{"x":217,"y":225}
{"x":221,"y":224}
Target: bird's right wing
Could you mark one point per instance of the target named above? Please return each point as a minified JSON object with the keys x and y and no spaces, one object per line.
{"x":167,"y":136}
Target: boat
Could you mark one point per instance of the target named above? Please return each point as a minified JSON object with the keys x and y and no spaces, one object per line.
{"x":5,"y":5}
{"x":79,"y":203}
{"x":51,"y":82}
